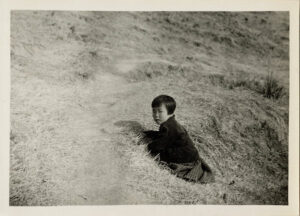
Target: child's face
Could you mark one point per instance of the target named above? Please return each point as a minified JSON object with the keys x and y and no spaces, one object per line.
{"x":160,"y":114}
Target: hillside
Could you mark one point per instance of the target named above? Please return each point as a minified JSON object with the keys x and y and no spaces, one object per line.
{"x":81,"y":88}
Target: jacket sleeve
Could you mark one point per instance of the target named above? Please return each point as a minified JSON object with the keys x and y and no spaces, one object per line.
{"x":183,"y":153}
{"x":151,"y":134}
{"x":177,"y":152}
{"x":161,"y":141}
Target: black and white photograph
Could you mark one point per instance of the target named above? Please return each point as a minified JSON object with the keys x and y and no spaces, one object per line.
{"x":149,"y":108}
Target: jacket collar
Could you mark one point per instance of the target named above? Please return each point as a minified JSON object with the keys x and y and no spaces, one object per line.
{"x":172,"y":118}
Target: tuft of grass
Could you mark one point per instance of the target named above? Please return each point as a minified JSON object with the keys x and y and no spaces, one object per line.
{"x":272,"y":88}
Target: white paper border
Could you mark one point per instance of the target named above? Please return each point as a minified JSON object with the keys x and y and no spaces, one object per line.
{"x":147,"y":5}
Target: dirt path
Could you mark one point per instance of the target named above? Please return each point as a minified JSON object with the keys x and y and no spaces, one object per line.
{"x":100,"y":174}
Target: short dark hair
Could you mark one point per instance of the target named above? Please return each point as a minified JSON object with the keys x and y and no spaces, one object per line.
{"x":167,"y":100}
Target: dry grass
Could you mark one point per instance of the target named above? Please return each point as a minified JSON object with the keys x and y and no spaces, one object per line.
{"x":75,"y":75}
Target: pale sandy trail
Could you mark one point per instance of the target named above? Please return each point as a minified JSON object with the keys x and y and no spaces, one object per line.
{"x":99,"y":174}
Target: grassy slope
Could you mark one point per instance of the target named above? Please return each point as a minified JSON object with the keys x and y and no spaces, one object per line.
{"x":76,"y":74}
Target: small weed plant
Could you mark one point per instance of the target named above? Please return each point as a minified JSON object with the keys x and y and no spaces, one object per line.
{"x":271,"y":87}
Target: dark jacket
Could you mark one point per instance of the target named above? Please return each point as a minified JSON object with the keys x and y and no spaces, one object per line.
{"x":173,"y":143}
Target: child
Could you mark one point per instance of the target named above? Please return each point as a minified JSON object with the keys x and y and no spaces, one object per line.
{"x":173,"y":144}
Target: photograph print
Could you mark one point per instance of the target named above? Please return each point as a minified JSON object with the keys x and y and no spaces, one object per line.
{"x":166,"y":108}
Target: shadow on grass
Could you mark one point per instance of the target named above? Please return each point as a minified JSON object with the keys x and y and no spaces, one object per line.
{"x":130,"y":126}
